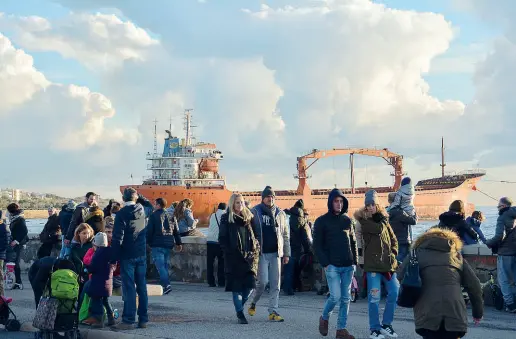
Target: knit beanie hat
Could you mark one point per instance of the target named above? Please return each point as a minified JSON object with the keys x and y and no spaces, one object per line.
{"x":71,"y":204}
{"x":100,"y":240}
{"x":406,"y":181}
{"x":268,"y":192}
{"x":371,"y":198}
{"x":458,"y":207}
{"x":506,"y":201}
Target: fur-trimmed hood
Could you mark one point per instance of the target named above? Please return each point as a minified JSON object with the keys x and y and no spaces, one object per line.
{"x":439,"y":239}
{"x":97,"y":212}
{"x":362,"y":213}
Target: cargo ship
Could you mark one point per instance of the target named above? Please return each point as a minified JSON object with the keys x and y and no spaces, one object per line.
{"x":190,"y":169}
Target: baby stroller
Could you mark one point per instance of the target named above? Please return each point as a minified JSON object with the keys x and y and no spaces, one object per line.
{"x":57,"y":310}
{"x":11,"y":325}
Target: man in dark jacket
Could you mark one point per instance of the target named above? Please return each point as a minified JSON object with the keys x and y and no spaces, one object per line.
{"x":19,"y":237}
{"x":65,"y":216}
{"x":336,"y":248}
{"x":129,"y":247}
{"x":401,"y":223}
{"x":504,"y":243}
{"x":79,"y":214}
{"x":162,"y":235}
{"x":4,"y":243}
{"x":299,"y":244}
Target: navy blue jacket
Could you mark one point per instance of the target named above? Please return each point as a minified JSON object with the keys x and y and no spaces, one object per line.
{"x":4,"y":241}
{"x":65,"y":216}
{"x":129,"y":235}
{"x":101,"y":282}
{"x":159,"y":221}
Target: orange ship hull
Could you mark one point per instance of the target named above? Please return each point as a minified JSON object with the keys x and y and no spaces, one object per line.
{"x":430,"y":202}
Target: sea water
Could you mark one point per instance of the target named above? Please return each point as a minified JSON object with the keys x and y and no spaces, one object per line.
{"x":35,"y":226}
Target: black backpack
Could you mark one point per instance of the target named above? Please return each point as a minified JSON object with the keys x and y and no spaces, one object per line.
{"x":411,"y":285}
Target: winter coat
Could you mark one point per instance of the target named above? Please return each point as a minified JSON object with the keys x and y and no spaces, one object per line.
{"x":241,"y":256}
{"x":4,"y":241}
{"x":19,"y":229}
{"x":40,"y":272}
{"x":77,"y":218}
{"x":404,"y":198}
{"x":299,"y":238}
{"x":187,"y":222}
{"x":377,"y":241}
{"x":129,"y":236}
{"x":213,"y":229}
{"x":65,"y":216}
{"x":282,"y":229}
{"x":504,"y":240}
{"x":77,"y":257}
{"x":475,"y":224}
{"x":334,"y":236}
{"x":159,"y":222}
{"x":401,"y":223}
{"x":455,"y":222}
{"x":51,"y":233}
{"x":95,"y":218}
{"x":101,"y":282}
{"x":443,"y":271}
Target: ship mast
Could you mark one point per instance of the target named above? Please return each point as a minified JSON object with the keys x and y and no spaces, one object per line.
{"x":442,"y":157}
{"x":188,"y":126}
{"x":155,"y":136}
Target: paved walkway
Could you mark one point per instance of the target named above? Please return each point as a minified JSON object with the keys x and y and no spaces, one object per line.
{"x":194,"y":311}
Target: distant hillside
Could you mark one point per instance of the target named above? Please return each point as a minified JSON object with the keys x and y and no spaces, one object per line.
{"x":40,"y":201}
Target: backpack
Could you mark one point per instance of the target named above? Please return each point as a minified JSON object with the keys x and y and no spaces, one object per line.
{"x":64,"y":284}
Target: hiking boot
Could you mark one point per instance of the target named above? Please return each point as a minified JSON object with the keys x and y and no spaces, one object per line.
{"x":511,"y":308}
{"x":241,"y":318}
{"x":252,"y":310}
{"x":376,"y":334}
{"x":323,"y":326}
{"x":142,"y":325}
{"x":275,"y":317}
{"x":93,"y":322}
{"x":344,"y":334}
{"x":167,"y":290}
{"x":387,"y":331}
{"x":123,"y":327}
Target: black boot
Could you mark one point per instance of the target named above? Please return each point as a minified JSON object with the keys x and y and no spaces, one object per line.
{"x":241,"y":318}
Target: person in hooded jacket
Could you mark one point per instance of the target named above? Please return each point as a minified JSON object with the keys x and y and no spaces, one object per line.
{"x":440,"y":311}
{"x":401,"y":223}
{"x":335,"y":246}
{"x":19,"y":237}
{"x":475,"y":221}
{"x":214,"y":251}
{"x":504,"y":244}
{"x":455,"y":220}
{"x":51,"y":234}
{"x":378,"y":248}
{"x":65,"y":217}
{"x":299,"y":244}
{"x":4,"y":243}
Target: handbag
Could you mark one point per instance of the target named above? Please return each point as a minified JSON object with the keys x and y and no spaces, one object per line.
{"x":411,"y":285}
{"x":46,"y":313}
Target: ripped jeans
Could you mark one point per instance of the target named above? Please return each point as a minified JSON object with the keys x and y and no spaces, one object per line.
{"x":374,"y":284}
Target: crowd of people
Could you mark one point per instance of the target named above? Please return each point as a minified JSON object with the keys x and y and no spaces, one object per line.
{"x":253,"y":246}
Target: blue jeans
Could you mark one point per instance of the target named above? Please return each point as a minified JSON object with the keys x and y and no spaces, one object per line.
{"x":506,"y":267}
{"x":374,"y":285}
{"x":403,"y":251}
{"x":133,"y":273}
{"x":160,"y":257}
{"x":65,"y":250}
{"x":240,"y":298}
{"x":339,"y":283}
{"x":97,"y":306}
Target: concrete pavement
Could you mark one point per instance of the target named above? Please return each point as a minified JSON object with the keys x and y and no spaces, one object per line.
{"x":194,"y":311}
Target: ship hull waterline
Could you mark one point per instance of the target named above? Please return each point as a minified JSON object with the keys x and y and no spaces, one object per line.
{"x":429,"y":203}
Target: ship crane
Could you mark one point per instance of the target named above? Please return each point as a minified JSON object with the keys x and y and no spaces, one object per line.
{"x":393,"y":159}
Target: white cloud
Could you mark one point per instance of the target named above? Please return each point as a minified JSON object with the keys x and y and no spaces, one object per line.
{"x":97,"y":40}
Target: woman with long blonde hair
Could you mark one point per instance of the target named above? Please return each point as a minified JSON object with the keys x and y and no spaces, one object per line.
{"x":237,"y":238}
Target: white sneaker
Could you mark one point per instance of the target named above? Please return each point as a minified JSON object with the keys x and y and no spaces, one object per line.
{"x":387,"y":331}
{"x":375,"y":334}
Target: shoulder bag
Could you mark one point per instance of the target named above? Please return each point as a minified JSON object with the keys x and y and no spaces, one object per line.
{"x":411,"y":285}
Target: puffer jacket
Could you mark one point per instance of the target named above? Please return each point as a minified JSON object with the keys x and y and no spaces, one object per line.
{"x":299,"y":239}
{"x":51,"y":233}
{"x":129,"y":236}
{"x":378,"y":246}
{"x":160,"y":222}
{"x":504,"y":240}
{"x":455,"y":222}
{"x":401,"y":223}
{"x":65,"y":216}
{"x":95,"y":218}
{"x":77,"y":218}
{"x":282,"y":231}
{"x":101,"y":270}
{"x":334,"y":236}
{"x":443,"y":271}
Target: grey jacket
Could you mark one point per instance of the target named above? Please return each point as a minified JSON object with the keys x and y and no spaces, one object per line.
{"x":283,"y":232}
{"x":505,"y":234}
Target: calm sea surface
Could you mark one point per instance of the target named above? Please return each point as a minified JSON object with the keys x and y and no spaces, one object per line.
{"x":488,"y":227}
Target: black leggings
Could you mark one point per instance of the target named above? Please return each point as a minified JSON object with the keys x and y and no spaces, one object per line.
{"x":18,"y":249}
